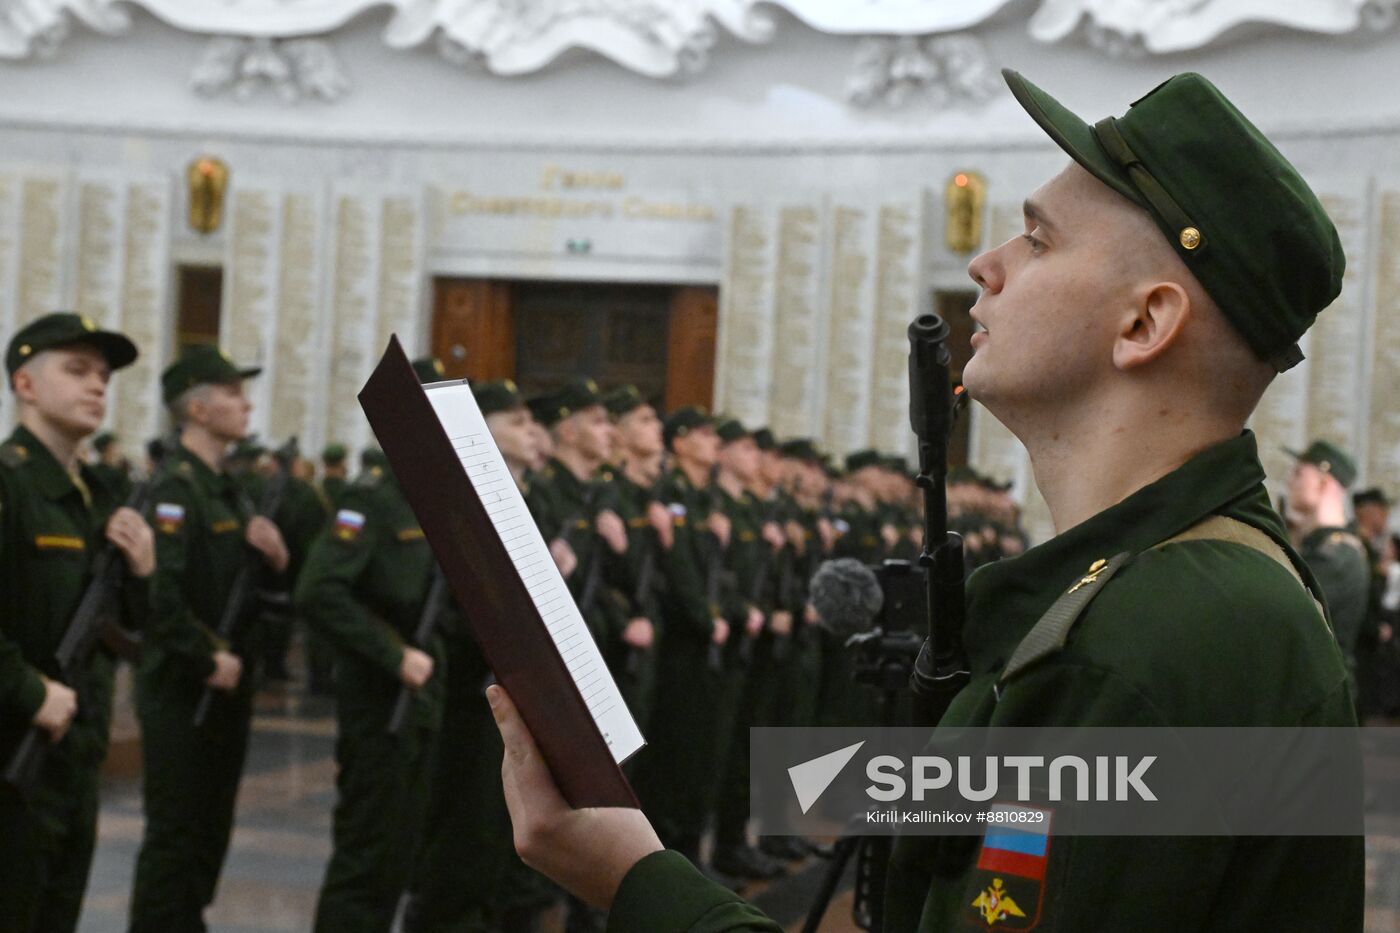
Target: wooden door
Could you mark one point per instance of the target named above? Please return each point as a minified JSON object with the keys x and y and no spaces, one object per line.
{"x":473,"y":330}
{"x":690,"y":350}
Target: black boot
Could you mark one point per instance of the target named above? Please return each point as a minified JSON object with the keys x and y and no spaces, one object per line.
{"x":744,"y":861}
{"x":783,"y":848}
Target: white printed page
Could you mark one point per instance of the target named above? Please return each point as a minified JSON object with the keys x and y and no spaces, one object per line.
{"x":457,"y":411}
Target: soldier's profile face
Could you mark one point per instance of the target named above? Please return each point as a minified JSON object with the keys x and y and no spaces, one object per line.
{"x":1051,"y":297}
{"x":639,"y":431}
{"x":741,"y":458}
{"x":225,"y":411}
{"x":1306,"y":485}
{"x":514,"y":433}
{"x":67,"y":386}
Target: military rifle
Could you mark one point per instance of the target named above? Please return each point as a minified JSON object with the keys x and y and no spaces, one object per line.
{"x":941,"y":669}
{"x":245,"y":579}
{"x":433,"y":606}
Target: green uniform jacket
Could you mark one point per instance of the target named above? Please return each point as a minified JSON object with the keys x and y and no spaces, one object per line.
{"x":49,"y":535}
{"x":566,"y":507}
{"x":1197,"y":633}
{"x":1338,"y":560}
{"x":363,"y":589}
{"x":199,"y":518}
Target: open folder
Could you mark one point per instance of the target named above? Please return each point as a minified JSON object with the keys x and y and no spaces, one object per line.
{"x":500,"y":571}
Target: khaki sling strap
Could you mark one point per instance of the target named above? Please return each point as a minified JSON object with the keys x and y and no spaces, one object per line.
{"x":1049,"y":634}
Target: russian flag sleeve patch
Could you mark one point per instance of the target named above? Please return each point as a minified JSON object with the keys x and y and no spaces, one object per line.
{"x":1008,"y":885}
{"x":348,"y":524}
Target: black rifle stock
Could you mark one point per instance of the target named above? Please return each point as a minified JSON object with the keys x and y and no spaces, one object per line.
{"x":252,"y":563}
{"x":941,"y":669}
{"x":95,"y":615}
{"x":422,"y":637}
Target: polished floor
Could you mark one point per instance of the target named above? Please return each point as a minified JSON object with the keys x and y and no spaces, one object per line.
{"x":282,"y":840}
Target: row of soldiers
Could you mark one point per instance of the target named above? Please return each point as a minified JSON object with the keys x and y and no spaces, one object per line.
{"x":688,"y":544}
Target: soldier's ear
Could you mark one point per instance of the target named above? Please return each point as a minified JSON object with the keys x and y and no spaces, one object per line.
{"x":1151,"y":324}
{"x":22,"y":382}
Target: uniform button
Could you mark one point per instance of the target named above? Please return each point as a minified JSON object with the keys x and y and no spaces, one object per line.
{"x":1190,"y":237}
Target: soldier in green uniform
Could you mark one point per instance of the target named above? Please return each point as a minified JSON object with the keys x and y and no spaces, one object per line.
{"x":1129,"y":334}
{"x":566,"y":500}
{"x":55,"y":516}
{"x":1317,"y":494}
{"x":203,"y":526}
{"x":635,"y":572}
{"x":469,"y":879}
{"x":749,"y":586}
{"x":301,"y":517}
{"x":364,"y":591}
{"x":672,"y":777}
{"x":334,"y":474}
{"x":111,"y":467}
{"x":869,"y":536}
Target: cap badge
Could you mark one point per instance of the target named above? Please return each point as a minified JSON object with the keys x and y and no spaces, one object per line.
{"x":25,"y":349}
{"x":88,"y":325}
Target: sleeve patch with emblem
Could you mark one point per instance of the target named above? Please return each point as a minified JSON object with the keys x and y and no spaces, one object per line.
{"x":348,"y":524}
{"x":169,"y":517}
{"x":1011,"y":870}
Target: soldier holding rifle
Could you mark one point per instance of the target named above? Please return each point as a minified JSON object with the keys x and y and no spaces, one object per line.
{"x":1162,"y":281}
{"x":55,"y":518}
{"x":205,"y":529}
{"x":367,"y":586}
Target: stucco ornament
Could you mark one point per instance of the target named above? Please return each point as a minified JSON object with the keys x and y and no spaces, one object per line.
{"x":669,"y":38}
{"x":293,"y":69}
{"x":942,"y":70}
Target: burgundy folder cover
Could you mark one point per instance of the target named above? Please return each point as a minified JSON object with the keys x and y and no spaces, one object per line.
{"x":487,"y":587}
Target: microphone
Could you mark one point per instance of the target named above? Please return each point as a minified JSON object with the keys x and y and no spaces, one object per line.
{"x":847,"y":596}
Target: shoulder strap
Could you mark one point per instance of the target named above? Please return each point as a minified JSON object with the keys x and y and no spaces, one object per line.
{"x":1051,"y":631}
{"x":1049,"y":634}
{"x":1224,"y":528}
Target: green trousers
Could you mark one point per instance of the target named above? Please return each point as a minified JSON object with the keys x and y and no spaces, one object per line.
{"x":46,"y":846}
{"x":189,"y":786}
{"x":470,"y":878}
{"x":382,"y":786}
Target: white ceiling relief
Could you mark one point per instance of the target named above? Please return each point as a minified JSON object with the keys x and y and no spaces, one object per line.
{"x":908,"y":49}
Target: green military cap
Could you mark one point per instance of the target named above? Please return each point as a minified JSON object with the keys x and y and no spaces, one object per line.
{"x":861,"y":459}
{"x":206,"y":365}
{"x":896,"y":464}
{"x":247,"y":449}
{"x":501,"y":395}
{"x":683,"y":420}
{"x":372,"y":457}
{"x":800,"y":448}
{"x":623,"y":400}
{"x":1373,"y":496}
{"x":963,"y":474}
{"x":104,"y":440}
{"x":1329,"y":458}
{"x":730,"y":430}
{"x":429,"y":369}
{"x":1187,"y":156}
{"x":333,"y":454}
{"x":568,"y":400}
{"x":63,"y":328}
{"x":763,"y":437}
{"x":537,"y":405}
